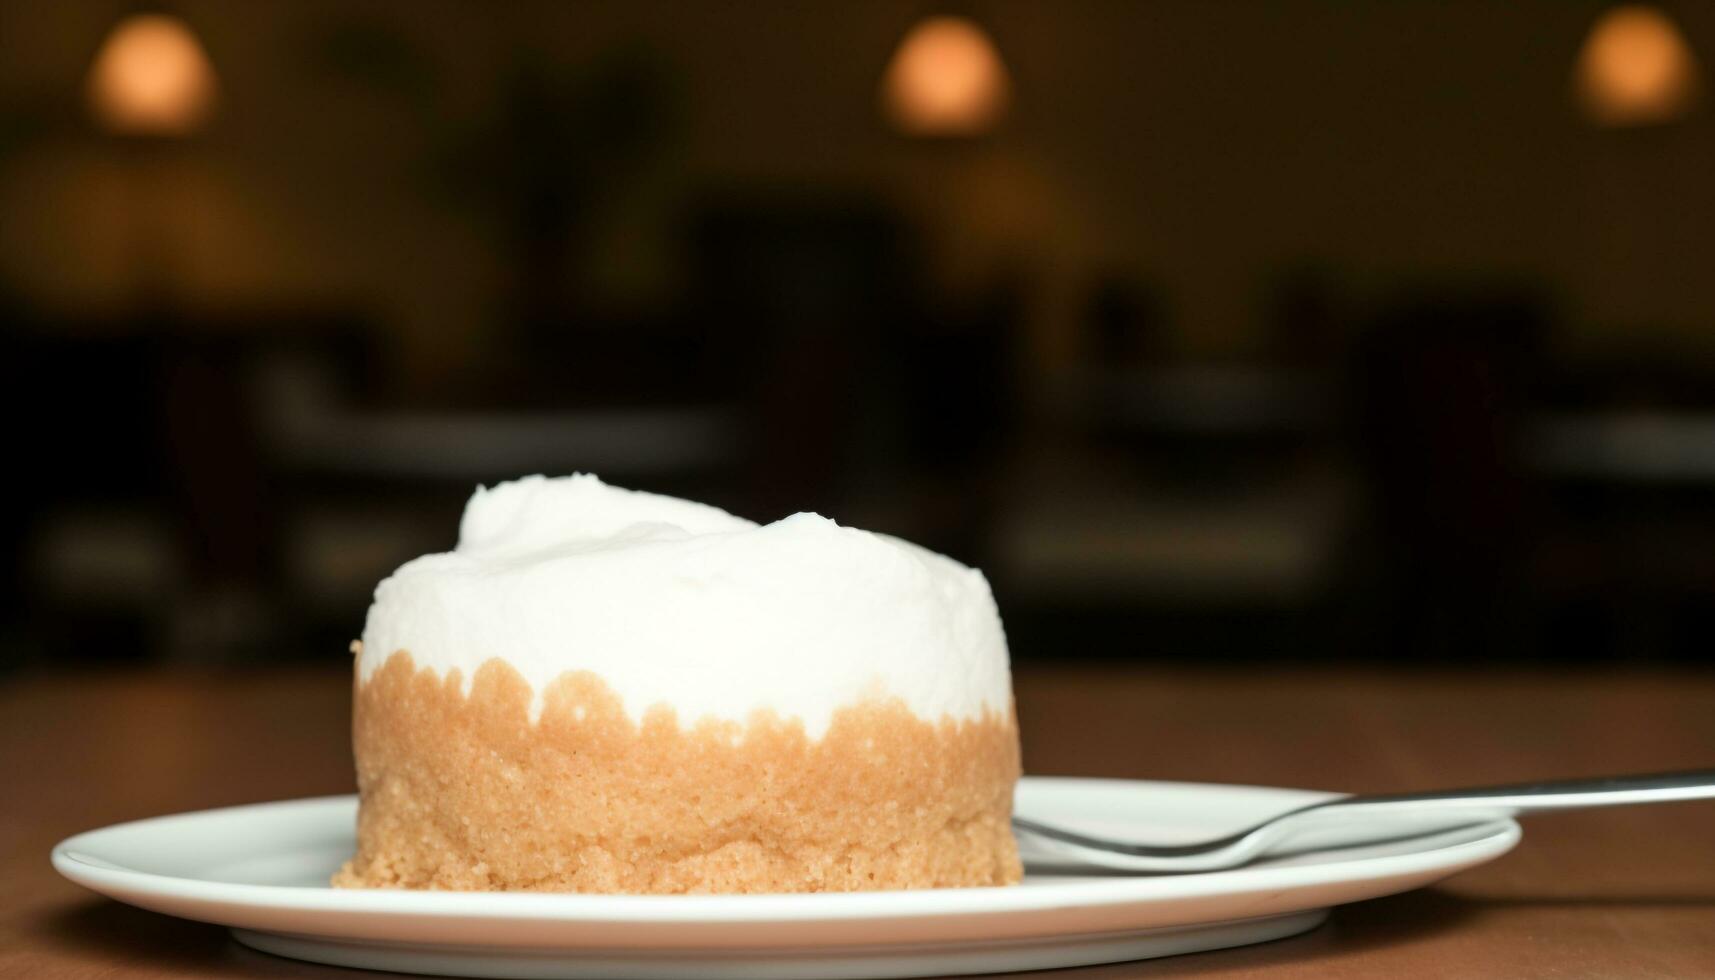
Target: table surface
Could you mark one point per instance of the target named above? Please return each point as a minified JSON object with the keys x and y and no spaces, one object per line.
{"x":1618,"y":893}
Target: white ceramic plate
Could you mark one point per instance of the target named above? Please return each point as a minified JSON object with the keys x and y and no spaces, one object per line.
{"x":263,"y":871}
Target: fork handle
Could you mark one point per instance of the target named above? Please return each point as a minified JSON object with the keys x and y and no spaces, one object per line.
{"x":1564,"y":794}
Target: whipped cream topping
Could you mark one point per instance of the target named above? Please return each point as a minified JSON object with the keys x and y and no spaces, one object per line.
{"x":678,"y":603}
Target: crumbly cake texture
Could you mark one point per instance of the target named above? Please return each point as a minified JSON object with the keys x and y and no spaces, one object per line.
{"x":462,"y":790}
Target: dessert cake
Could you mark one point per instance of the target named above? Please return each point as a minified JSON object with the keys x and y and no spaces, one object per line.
{"x":601,"y":690}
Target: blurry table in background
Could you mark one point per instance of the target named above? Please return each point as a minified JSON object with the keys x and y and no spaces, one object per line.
{"x":1617,"y":893}
{"x":1639,"y":447}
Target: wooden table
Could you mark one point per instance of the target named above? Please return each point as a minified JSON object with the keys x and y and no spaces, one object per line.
{"x":1624,"y":893}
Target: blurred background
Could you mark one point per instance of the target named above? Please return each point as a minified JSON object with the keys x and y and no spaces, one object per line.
{"x":1243,"y":332}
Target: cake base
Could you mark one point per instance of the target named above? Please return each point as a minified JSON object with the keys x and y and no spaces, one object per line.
{"x":466,"y":791}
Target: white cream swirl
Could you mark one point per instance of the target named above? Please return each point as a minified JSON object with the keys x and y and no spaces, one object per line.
{"x":679,"y":603}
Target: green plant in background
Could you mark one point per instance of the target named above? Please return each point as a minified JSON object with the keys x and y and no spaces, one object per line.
{"x":539,"y":160}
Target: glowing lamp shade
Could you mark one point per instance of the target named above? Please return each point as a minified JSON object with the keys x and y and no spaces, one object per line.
{"x":946,"y":79}
{"x":1635,"y":69}
{"x":151,"y":78}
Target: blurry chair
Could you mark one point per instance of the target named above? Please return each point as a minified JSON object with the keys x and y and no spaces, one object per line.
{"x":801,"y":297}
{"x":1442,"y":392}
{"x":1127,"y":322}
{"x":867,"y":394}
{"x":86,"y":526}
{"x":152,"y":517}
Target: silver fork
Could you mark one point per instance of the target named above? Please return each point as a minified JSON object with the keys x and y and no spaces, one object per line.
{"x":1350,"y":821}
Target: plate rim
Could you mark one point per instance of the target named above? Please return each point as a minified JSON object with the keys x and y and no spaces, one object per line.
{"x":104,"y":877}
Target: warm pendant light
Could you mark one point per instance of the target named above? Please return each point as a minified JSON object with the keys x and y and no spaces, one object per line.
{"x":1635,"y":69}
{"x":946,"y":79}
{"x":151,"y":78}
